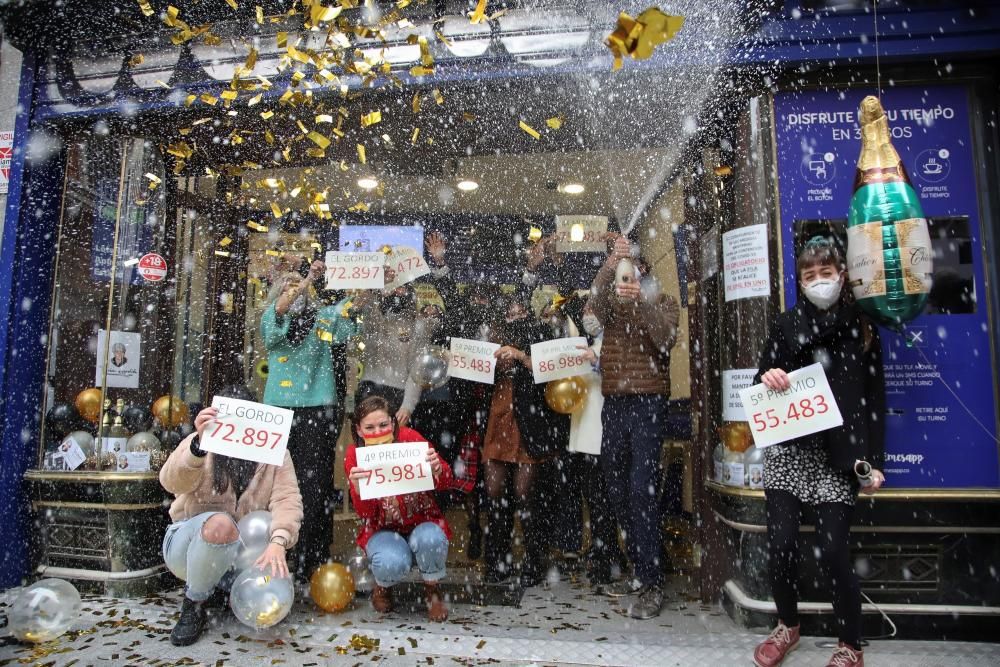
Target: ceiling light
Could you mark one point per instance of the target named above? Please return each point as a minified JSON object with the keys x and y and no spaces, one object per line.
{"x":571,"y":188}
{"x":367,"y":182}
{"x":467,"y":185}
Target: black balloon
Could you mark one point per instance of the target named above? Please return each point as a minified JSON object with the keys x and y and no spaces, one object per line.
{"x":137,"y":418}
{"x":170,"y":439}
{"x":61,"y":419}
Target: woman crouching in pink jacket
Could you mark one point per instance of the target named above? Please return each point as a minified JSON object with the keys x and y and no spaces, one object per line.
{"x":213,"y":492}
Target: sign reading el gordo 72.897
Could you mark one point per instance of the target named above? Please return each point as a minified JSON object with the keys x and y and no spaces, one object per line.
{"x":806,"y":407}
{"x":248,"y":430}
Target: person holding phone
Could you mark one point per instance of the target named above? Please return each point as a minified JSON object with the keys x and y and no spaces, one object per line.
{"x":828,"y":327}
{"x":398,"y":530}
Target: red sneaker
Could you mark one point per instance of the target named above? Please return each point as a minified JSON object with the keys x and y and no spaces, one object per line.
{"x":845,"y":656}
{"x":781,"y":641}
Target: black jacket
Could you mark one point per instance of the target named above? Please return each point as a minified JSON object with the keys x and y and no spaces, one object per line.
{"x":806,"y":335}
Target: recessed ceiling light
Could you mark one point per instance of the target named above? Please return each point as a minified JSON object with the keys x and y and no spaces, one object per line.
{"x":367,"y":183}
{"x":571,"y":188}
{"x":468,"y":185}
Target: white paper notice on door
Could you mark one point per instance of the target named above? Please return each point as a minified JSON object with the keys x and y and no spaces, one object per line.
{"x":745,"y":263}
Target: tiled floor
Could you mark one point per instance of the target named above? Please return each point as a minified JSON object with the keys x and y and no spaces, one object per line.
{"x":560,"y":624}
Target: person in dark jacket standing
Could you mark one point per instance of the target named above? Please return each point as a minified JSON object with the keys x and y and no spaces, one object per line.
{"x":639,"y":332}
{"x":825,"y":327}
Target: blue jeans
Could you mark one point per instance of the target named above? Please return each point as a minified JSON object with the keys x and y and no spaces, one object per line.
{"x":191,"y":558}
{"x":391,"y":555}
{"x":634,"y":429}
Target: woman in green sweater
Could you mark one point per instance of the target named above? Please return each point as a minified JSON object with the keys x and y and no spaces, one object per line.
{"x":298,"y":333}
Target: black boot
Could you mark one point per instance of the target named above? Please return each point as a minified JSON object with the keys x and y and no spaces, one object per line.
{"x":190,"y":625}
{"x":475,"y":549}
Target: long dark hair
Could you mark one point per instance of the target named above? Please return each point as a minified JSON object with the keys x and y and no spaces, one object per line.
{"x":228,"y":472}
{"x":365,"y":408}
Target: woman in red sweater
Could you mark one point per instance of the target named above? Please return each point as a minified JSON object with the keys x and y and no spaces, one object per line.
{"x":397,"y":530}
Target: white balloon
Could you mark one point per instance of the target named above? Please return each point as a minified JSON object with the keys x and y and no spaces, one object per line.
{"x":255,"y":533}
{"x":44,"y":610}
{"x":259,"y":599}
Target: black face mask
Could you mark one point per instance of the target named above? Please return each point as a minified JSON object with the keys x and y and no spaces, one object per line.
{"x":398,"y":303}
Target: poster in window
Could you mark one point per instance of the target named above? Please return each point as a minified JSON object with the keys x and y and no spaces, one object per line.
{"x":123,"y":359}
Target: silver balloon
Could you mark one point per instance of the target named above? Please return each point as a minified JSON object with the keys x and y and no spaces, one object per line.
{"x":255,"y":532}
{"x":44,"y":610}
{"x":430,"y":367}
{"x":361,"y":573}
{"x":650,"y":288}
{"x":84,"y":439}
{"x":259,"y":599}
{"x":144,"y":441}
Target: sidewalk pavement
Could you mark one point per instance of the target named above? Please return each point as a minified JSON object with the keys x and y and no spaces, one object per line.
{"x":562,"y":623}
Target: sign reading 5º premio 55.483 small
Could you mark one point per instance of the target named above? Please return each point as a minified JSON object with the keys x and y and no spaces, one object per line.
{"x":806,"y":407}
{"x":248,"y":430}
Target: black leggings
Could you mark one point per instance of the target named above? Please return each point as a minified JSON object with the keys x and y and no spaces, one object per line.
{"x":510,"y":489}
{"x":833,"y":534}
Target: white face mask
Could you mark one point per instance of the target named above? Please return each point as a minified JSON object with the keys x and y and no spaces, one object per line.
{"x":824,"y":292}
{"x":592,"y":325}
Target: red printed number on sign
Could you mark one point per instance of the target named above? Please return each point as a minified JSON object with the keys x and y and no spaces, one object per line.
{"x":152,"y":267}
{"x":250,"y":437}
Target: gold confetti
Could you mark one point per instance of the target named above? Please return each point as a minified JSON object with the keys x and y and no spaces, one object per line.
{"x":180,"y":149}
{"x":413,"y":137}
{"x":190,"y":100}
{"x":256,"y":226}
{"x":555,"y":123}
{"x":324,"y":336}
{"x":637,"y":37}
{"x":438,"y":97}
{"x":416,"y":103}
{"x":323,"y":118}
{"x":468,"y":117}
{"x":146,"y":9}
{"x":360,"y":207}
{"x":530,"y":130}
{"x":318,"y":139}
{"x":371,"y":118}
{"x":260,"y":14}
{"x":282,"y":40}
{"x":282,"y":360}
{"x":228,"y":95}
{"x":154,"y":180}
{"x":272,"y":253}
{"x":276,"y":210}
{"x":321,"y":14}
{"x":316,"y":152}
{"x":343,"y":165}
{"x":286,"y":383}
{"x":255,"y":99}
{"x":478,"y":15}
{"x":361,"y":154}
{"x":179,"y":167}
{"x":136,"y":60}
{"x":251,"y":61}
{"x":208,"y":99}
{"x":421,"y":70}
{"x":222,"y":253}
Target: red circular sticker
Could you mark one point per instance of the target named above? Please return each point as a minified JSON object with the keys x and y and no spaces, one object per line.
{"x":153,"y":267}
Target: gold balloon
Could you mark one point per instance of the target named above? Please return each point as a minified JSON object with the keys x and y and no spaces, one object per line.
{"x":88,"y":404}
{"x":171,"y":411}
{"x":566,"y":395}
{"x":331,"y":587}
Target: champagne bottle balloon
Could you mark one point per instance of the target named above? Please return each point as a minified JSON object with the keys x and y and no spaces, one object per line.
{"x":889,"y":256}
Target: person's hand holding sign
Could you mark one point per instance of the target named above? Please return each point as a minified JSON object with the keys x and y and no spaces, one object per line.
{"x":203,"y":419}
{"x":435,"y":462}
{"x":776,"y":379}
{"x":358,"y":475}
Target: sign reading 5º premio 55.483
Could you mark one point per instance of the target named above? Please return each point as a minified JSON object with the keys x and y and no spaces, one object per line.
{"x":806,"y":407}
{"x":248,"y":430}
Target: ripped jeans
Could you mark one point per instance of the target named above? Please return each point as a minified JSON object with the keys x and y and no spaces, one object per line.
{"x":193,"y":559}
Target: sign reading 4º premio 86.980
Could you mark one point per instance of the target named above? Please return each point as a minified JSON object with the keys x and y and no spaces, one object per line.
{"x":806,"y":407}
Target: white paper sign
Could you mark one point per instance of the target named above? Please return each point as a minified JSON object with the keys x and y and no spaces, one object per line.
{"x":396,"y":468}
{"x":113,"y":445}
{"x":732,"y":474}
{"x":72,"y":454}
{"x":123,"y":359}
{"x":6,"y":155}
{"x":133,"y":462}
{"x":806,"y":407}
{"x":756,"y":475}
{"x":559,"y":358}
{"x":249,"y":431}
{"x":355,"y":270}
{"x":472,"y":360}
{"x":745,"y":262}
{"x":581,"y":233}
{"x":407,"y":263}
{"x":732,"y":382}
